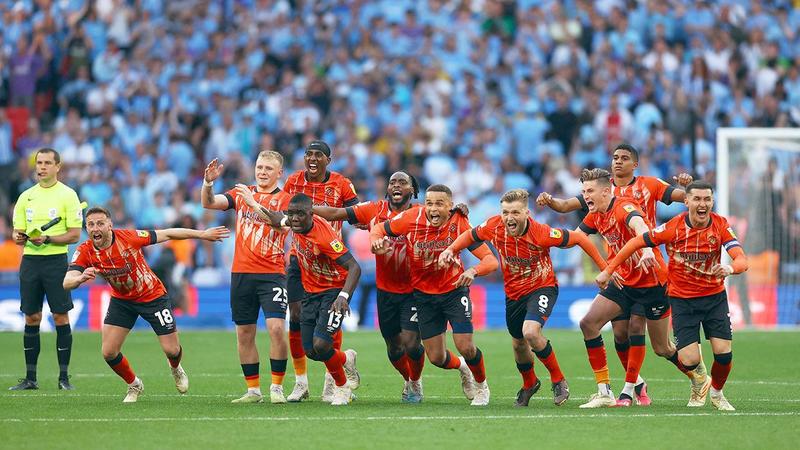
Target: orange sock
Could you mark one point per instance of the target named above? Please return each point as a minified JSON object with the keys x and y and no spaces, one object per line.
{"x":548,"y":357}
{"x":278,"y":368}
{"x":476,"y":366}
{"x":296,"y":349}
{"x":335,"y":365}
{"x":597,"y":359}
{"x":251,"y":376}
{"x":401,"y":364}
{"x":528,"y":374}
{"x":416,"y":361}
{"x":451,"y":361}
{"x":635,"y":358}
{"x":120,"y":365}
{"x":622,"y":352}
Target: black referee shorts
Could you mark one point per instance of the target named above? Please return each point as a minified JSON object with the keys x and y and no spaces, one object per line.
{"x":40,"y":276}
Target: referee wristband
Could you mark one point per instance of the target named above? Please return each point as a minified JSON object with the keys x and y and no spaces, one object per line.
{"x":345,"y":295}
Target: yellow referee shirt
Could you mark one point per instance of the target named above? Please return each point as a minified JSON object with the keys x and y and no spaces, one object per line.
{"x":37,"y":206}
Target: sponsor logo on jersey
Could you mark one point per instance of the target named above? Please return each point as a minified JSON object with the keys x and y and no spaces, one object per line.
{"x":142,"y":233}
{"x":555,"y":233}
{"x":337,"y":246}
{"x":629,"y":208}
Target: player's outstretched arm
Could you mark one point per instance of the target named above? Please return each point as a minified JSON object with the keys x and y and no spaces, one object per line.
{"x":378,"y":238}
{"x":75,"y":278}
{"x":207,"y":197}
{"x":330,"y":214}
{"x":275,"y":218}
{"x":214,"y":234}
{"x":738,"y":265}
{"x":341,"y":304}
{"x":488,"y":264}
{"x":558,"y":204}
{"x":582,"y":240}
{"x":448,"y":256}
{"x":625,"y":252}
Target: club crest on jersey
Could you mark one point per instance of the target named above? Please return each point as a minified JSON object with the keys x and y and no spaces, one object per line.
{"x":337,"y":246}
{"x":629,"y":208}
{"x":712,"y":240}
{"x":453,"y":228}
{"x":555,"y":233}
{"x":637,"y":195}
{"x":329,"y":192}
{"x":273,"y":202}
{"x":142,"y":233}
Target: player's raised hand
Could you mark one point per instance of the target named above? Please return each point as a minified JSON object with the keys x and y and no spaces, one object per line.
{"x":213,"y":170}
{"x":647,"y":261}
{"x":462,"y":209}
{"x":544,"y":199}
{"x":446,"y":258}
{"x":683,"y":179}
{"x":721,"y":270}
{"x":466,"y":278}
{"x":340,"y":306}
{"x":215,"y":234}
{"x":88,"y":275}
{"x":247,"y":195}
{"x":381,"y":246}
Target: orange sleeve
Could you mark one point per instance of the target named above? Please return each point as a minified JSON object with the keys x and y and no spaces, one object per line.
{"x":327,"y":239}
{"x":377,"y":232}
{"x":488,"y":263}
{"x":463,"y":241}
{"x":583,"y":241}
{"x":627,"y":250}
{"x":739,"y":262}
{"x":396,"y":226}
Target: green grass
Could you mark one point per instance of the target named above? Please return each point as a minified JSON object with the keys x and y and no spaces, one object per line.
{"x":764,"y":387}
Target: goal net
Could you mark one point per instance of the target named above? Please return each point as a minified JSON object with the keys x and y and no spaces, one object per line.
{"x":758,"y":189}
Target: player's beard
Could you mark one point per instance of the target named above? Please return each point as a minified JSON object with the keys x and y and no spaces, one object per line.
{"x":401,"y":204}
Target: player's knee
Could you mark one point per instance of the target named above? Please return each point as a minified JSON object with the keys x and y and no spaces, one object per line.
{"x":588,"y":326}
{"x":320,"y":347}
{"x":395,"y":350}
{"x":620,"y":334}
{"x":689,"y":360}
{"x":33,"y":319}
{"x":109,"y":353}
{"x":519,"y":345}
{"x":532,"y":334}
{"x":436,"y":358}
{"x":467,"y":350}
{"x":637,"y":327}
{"x":664,"y":350}
{"x":409,"y":341}
{"x":60,"y":319}
{"x":172,"y":350}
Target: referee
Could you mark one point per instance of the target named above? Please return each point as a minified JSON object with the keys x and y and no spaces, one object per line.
{"x":44,"y":262}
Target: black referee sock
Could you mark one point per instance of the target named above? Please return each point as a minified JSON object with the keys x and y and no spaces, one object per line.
{"x":63,"y":349}
{"x":31,"y":344}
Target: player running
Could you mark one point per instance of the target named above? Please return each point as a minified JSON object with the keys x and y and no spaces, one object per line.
{"x":618,"y":220}
{"x":646,"y":192}
{"x":530,"y":284}
{"x":441,"y":294}
{"x":694,"y":241}
{"x":117,"y":256}
{"x":329,"y":275}
{"x":325,"y":188}
{"x":258,"y":278}
{"x":397,"y":315}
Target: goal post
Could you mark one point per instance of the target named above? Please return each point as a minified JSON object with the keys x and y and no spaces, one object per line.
{"x":758,"y":190}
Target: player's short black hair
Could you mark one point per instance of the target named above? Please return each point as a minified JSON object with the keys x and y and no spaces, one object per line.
{"x":98,"y":210}
{"x":302,"y":200}
{"x":414,"y":183}
{"x":699,"y":184}
{"x":440,"y":188}
{"x":628,"y":148}
{"x":56,"y":155}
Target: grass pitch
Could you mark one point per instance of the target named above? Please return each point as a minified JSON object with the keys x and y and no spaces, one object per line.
{"x":764,"y":387}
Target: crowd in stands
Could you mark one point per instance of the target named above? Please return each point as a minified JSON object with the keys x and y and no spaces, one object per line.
{"x":482,"y":95}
